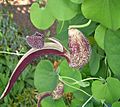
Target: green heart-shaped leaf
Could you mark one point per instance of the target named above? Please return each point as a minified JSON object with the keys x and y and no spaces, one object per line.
{"x":116,"y":104}
{"x":104,"y":11}
{"x":67,"y":71}
{"x":112,"y":49}
{"x":108,"y":91}
{"x":99,"y":35}
{"x":49,"y":102}
{"x":77,"y":1}
{"x":41,"y":17}
{"x":45,"y":79}
{"x":63,"y":9}
{"x":94,"y":63}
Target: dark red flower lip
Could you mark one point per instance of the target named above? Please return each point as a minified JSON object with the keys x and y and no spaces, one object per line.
{"x":49,"y":48}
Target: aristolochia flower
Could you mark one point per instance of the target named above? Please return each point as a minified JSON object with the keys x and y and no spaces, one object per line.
{"x":77,"y":57}
{"x":79,"y":48}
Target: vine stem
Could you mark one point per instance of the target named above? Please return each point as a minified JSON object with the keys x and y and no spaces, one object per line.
{"x":87,"y":101}
{"x":11,"y":53}
{"x":109,"y":72}
{"x":74,"y":87}
{"x":90,"y":79}
{"x":64,"y":77}
{"x":103,"y":102}
{"x":61,"y":27}
{"x":80,"y":26}
{"x":77,"y":82}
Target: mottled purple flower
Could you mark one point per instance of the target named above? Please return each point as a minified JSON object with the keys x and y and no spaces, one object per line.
{"x":36,"y":40}
{"x":79,"y":48}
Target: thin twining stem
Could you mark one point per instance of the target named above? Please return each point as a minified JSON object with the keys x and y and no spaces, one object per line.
{"x":103,"y":102}
{"x":61,"y":27}
{"x":65,"y":77}
{"x":87,"y":101}
{"x":73,"y":87}
{"x":80,"y":26}
{"x":87,"y":79}
{"x":11,"y":53}
{"x":78,"y":82}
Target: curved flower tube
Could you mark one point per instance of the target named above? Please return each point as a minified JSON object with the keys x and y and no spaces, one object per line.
{"x":77,"y":57}
{"x":49,"y":48}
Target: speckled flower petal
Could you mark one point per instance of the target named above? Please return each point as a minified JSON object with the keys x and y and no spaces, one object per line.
{"x":79,"y":47}
{"x":36,"y":40}
{"x":58,"y":92}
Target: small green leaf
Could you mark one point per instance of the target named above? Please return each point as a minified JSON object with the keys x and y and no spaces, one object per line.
{"x":63,"y":35}
{"x":77,"y":1}
{"x":18,"y":87}
{"x":45,"y":79}
{"x":99,"y":35}
{"x":49,"y":102}
{"x":84,"y":84}
{"x":3,"y":81}
{"x":79,"y":99}
{"x":116,"y":104}
{"x":77,"y":103}
{"x":94,"y":62}
{"x":67,"y":71}
{"x":41,"y":17}
{"x":112,"y":49}
{"x":104,"y":11}
{"x":63,"y":9}
{"x":1,"y":35}
{"x":103,"y":70}
{"x":108,"y":91}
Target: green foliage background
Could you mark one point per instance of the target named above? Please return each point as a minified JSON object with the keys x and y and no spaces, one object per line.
{"x":104,"y":65}
{"x":12,"y":39}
